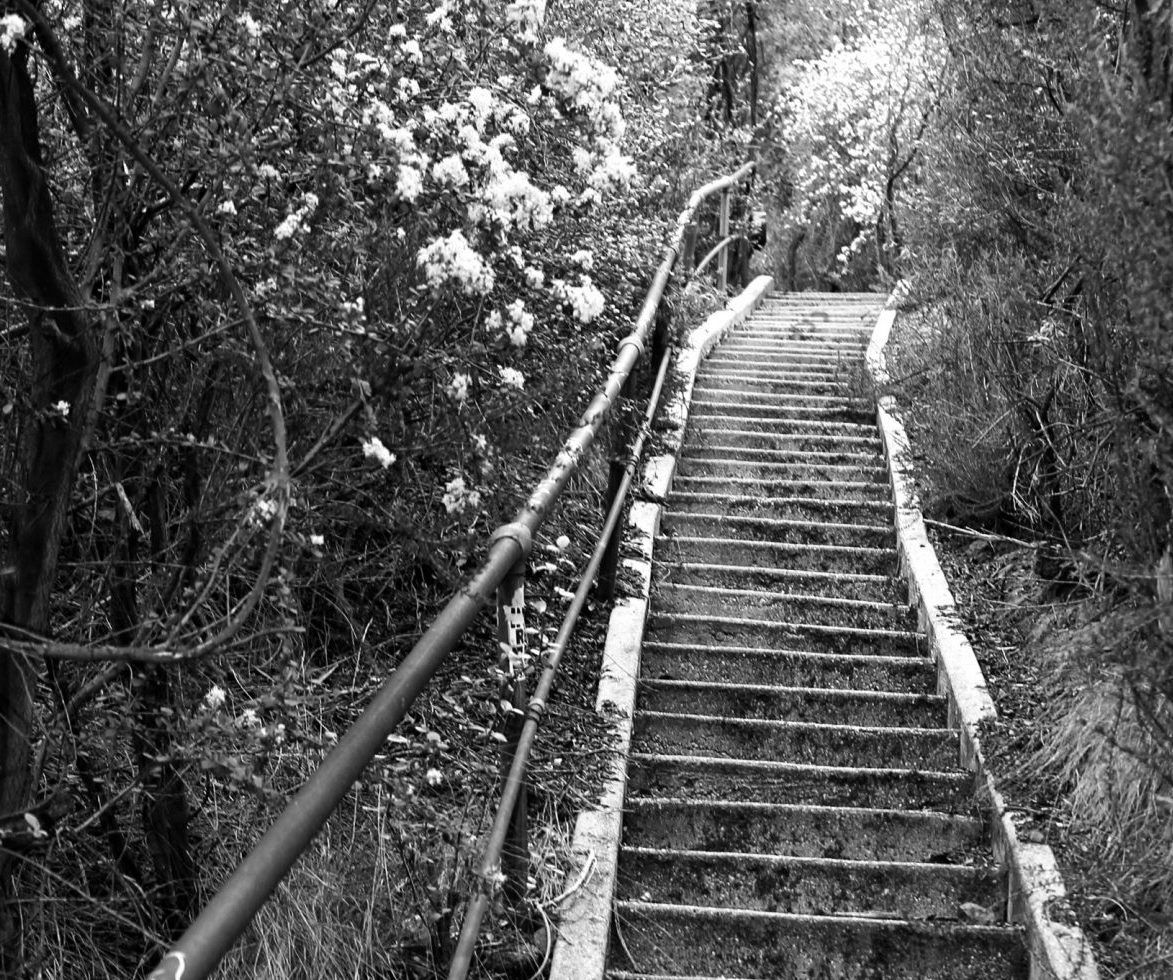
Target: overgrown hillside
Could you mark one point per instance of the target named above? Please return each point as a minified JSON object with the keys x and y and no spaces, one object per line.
{"x":299,"y":299}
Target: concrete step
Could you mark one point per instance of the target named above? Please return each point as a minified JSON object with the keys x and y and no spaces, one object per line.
{"x":802,"y":830}
{"x":708,"y":522}
{"x":795,"y":461}
{"x":784,"y":467}
{"x":808,"y":886}
{"x":706,"y":778}
{"x":827,"y":384}
{"x":755,"y":392}
{"x":806,"y":742}
{"x":679,"y":940}
{"x":837,"y":348}
{"x":719,"y":432}
{"x":834,"y":360}
{"x":781,"y":485}
{"x":708,"y":628}
{"x":793,"y":507}
{"x":782,"y":605}
{"x":797,"y":413}
{"x":830,"y":706}
{"x":763,"y":420}
{"x":836,"y":583}
{"x":787,"y":668}
{"x":681,"y":547}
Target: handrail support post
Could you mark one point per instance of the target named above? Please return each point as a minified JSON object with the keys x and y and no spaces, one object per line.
{"x":723,"y":233}
{"x":513,"y":698}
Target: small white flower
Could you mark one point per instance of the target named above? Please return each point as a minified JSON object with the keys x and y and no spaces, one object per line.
{"x":249,"y":718}
{"x":411,"y":48}
{"x":317,"y":540}
{"x":266,"y":171}
{"x":458,"y":386}
{"x":251,"y":27}
{"x":263,"y":510}
{"x":511,"y":377}
{"x":434,"y":777}
{"x":288,"y":227}
{"x":62,"y":409}
{"x":563,"y":542}
{"x":215,"y":697}
{"x":373,"y":448}
{"x":535,"y":278}
{"x":457,"y":497}
{"x":584,"y":257}
{"x":226,"y":207}
{"x":34,"y":825}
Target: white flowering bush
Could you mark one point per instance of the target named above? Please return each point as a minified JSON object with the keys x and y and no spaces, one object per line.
{"x":851,"y":118}
{"x":350,"y":274}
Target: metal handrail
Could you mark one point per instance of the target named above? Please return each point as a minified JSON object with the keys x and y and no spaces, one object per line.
{"x":723,"y":244}
{"x":197,"y":952}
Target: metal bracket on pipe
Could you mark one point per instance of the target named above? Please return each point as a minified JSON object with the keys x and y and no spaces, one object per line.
{"x":632,"y":341}
{"x":519,"y":533}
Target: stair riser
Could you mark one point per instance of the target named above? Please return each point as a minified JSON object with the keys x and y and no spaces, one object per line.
{"x":750,"y":392}
{"x":708,"y":525}
{"x":817,"y":949}
{"x":809,"y":887}
{"x":853,"y":834}
{"x":798,"y":415}
{"x":763,"y":420}
{"x":778,"y":579}
{"x":856,"y":470}
{"x":908,"y":675}
{"x":790,"y":383}
{"x":809,"y":745}
{"x":873,"y":562}
{"x":704,"y":434}
{"x":730,"y":460}
{"x":695,"y":780}
{"x":776,"y":610}
{"x":831,"y":349}
{"x":829,"y":707}
{"x":834,"y":489}
{"x":868,"y":513}
{"x":676,"y":630}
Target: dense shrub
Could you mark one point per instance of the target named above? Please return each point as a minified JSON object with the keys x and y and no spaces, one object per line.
{"x":318,"y":291}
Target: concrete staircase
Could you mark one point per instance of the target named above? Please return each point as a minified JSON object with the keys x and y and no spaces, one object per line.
{"x":795,"y":807}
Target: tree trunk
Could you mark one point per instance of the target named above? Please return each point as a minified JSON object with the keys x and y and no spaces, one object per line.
{"x":63,"y":364}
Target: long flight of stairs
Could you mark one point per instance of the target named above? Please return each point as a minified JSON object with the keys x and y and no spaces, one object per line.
{"x":795,"y":806}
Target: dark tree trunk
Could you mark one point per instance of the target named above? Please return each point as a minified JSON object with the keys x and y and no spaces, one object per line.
{"x":63,"y":364}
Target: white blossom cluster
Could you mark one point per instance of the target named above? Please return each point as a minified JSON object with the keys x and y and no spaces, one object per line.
{"x":12,"y":29}
{"x":585,"y":300}
{"x":524,"y":18}
{"x":458,"y":497}
{"x":373,"y":448}
{"x":452,"y":261}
